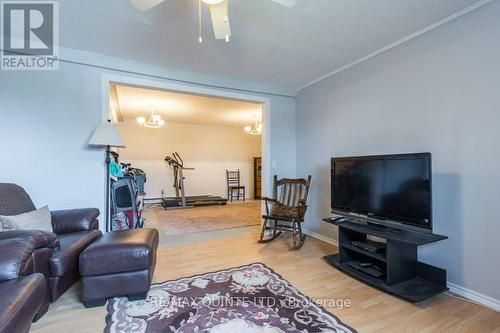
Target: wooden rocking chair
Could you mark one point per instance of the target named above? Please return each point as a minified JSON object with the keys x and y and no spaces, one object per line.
{"x":286,"y":212}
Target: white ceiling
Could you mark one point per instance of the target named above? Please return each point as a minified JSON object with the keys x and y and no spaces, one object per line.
{"x":270,"y":43}
{"x":185,"y":108}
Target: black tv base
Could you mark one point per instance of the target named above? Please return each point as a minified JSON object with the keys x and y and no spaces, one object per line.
{"x":403,"y":275}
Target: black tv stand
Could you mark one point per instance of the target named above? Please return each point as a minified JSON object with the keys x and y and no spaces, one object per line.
{"x":404,"y":276}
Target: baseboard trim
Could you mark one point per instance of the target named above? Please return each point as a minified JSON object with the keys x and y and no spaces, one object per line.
{"x":468,"y":294}
{"x":320,"y":237}
{"x":474,"y":296}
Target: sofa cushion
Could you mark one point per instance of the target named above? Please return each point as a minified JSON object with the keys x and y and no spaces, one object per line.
{"x":120,"y":251}
{"x":39,"y":219}
{"x":21,"y":299}
{"x":71,"y":245}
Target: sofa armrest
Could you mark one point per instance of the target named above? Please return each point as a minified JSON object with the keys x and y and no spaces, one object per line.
{"x":74,"y":220}
{"x":39,"y":238}
{"x":14,"y":256}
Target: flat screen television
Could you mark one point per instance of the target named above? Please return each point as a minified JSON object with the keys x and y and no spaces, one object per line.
{"x":394,"y":190}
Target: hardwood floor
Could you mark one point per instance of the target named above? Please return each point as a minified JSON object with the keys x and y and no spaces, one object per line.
{"x":370,"y":310}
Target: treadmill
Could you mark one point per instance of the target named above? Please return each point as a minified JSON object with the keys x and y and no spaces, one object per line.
{"x":181,"y":200}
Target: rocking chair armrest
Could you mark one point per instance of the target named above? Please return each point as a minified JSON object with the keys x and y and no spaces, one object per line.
{"x":268,"y":200}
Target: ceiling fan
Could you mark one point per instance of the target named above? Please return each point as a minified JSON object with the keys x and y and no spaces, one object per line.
{"x":218,"y":11}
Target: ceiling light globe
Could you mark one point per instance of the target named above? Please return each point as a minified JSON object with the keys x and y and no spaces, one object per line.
{"x":141,"y":120}
{"x":161,"y":122}
{"x":213,"y":2}
{"x":156,"y":117}
{"x":247,"y":129}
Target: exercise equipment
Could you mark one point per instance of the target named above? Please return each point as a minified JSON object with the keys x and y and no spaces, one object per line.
{"x":181,"y":200}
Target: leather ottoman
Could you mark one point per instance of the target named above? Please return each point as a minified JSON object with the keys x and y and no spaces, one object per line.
{"x":120,"y":263}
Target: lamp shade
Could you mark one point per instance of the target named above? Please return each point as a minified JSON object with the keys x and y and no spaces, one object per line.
{"x":106,"y":134}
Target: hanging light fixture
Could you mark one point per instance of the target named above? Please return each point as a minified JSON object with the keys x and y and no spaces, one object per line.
{"x":256,"y":129}
{"x":154,"y":121}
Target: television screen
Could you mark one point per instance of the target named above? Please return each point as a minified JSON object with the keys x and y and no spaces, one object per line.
{"x":395,"y":188}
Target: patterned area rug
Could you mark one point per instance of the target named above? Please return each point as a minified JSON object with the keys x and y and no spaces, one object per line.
{"x":245,"y":299}
{"x":183,"y":221}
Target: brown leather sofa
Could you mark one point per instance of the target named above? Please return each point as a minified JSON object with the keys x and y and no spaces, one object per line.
{"x":22,"y":293}
{"x":55,"y":255}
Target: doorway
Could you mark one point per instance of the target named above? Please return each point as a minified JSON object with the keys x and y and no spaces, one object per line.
{"x":212,"y":134}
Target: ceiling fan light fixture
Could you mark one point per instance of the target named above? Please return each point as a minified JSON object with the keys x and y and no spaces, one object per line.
{"x":219,"y":11}
{"x":141,"y":120}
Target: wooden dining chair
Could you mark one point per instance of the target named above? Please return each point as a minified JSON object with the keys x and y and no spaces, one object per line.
{"x":234,"y":184}
{"x":285,"y":211}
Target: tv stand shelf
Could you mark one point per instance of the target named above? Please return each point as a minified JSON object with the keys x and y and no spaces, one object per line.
{"x":404,"y":276}
{"x":376,"y":256}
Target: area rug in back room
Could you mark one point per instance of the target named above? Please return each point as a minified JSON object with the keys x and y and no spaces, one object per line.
{"x":251,"y":298}
{"x":208,"y":218}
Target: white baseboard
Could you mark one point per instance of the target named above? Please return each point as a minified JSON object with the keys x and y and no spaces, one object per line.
{"x":321,"y":237}
{"x":474,"y":296}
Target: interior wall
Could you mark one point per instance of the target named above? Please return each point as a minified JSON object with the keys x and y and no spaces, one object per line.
{"x":47,"y":118}
{"x":209,"y":149}
{"x":437,"y":93}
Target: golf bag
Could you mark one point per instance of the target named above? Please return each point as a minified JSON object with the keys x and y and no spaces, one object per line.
{"x":126,"y":205}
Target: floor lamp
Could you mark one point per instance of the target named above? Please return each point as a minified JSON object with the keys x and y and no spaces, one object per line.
{"x":107,"y":135}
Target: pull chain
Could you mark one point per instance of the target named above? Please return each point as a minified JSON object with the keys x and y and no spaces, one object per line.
{"x":226,"y":18}
{"x":200,"y":38}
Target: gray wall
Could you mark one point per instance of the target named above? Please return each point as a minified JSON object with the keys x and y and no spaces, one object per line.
{"x":47,"y":118}
{"x":437,"y":93}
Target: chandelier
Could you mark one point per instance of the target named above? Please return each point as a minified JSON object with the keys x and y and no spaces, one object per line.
{"x":256,"y":129}
{"x":154,"y":121}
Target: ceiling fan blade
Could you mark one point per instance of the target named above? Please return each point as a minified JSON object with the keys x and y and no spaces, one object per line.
{"x":220,"y":20}
{"x":288,"y":3}
{"x":144,"y":5}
